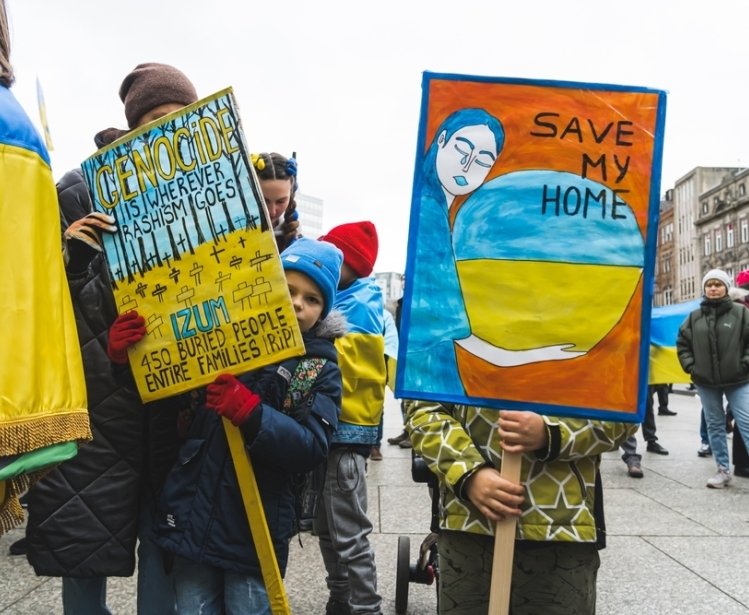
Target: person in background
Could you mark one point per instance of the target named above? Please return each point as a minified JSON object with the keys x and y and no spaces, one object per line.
{"x":286,"y":424}
{"x":342,"y":524}
{"x":662,"y":391}
{"x":43,"y":407}
{"x":713,"y":348}
{"x":630,"y":457}
{"x":278,"y":181}
{"x":704,"y":450}
{"x":738,"y":447}
{"x":86,"y":516}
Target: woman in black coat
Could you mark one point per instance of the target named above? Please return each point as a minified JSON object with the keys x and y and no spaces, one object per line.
{"x":85,"y":515}
{"x":713,"y":348}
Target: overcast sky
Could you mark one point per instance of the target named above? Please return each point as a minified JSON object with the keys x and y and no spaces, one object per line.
{"x":340,"y":82}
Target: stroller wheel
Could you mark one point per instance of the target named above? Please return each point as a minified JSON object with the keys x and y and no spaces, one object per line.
{"x":402,"y":574}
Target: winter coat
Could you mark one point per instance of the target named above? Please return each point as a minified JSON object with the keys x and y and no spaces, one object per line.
{"x":456,"y":441}
{"x":713,"y":343}
{"x":200,"y":515}
{"x":83,"y":515}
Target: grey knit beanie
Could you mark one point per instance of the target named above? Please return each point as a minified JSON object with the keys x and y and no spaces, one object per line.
{"x":717,"y":274}
{"x":152,"y":84}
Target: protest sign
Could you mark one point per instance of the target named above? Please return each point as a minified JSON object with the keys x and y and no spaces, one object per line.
{"x":194,"y":251}
{"x":532,"y":246}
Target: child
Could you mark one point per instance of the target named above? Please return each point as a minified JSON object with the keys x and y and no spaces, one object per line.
{"x":342,"y":524}
{"x":277,"y":175}
{"x":559,"y":503}
{"x":201,"y":518}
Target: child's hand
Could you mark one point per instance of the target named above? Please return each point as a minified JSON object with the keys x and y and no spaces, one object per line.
{"x":127,"y":329}
{"x":522,"y":432}
{"x":230,"y":398}
{"x":496,"y":497}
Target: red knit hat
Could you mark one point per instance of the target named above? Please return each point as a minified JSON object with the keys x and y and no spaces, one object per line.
{"x":358,"y":242}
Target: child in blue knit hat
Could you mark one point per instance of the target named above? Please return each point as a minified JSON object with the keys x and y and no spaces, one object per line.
{"x":286,"y":413}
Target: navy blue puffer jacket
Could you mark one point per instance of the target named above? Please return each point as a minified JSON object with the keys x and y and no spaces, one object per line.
{"x":200,"y":515}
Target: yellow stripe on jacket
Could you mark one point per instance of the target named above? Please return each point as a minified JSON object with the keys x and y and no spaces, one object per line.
{"x":361,"y":357}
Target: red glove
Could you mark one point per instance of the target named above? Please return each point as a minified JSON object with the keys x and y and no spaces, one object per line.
{"x":127,"y":329}
{"x":230,"y":398}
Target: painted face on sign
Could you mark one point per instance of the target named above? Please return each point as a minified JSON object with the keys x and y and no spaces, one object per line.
{"x":465,"y":159}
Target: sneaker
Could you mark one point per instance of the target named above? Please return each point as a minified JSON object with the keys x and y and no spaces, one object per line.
{"x":375,"y":454}
{"x":399,"y":438}
{"x":336,"y":607}
{"x":633,"y":469}
{"x":666,"y":412}
{"x":705,"y":450}
{"x":720,"y":480}
{"x":406,"y":443}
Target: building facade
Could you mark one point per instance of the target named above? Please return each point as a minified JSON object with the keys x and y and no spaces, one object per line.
{"x":310,"y":211}
{"x":391,"y":284}
{"x":687,"y":197}
{"x":722,"y":225}
{"x":663,"y":290}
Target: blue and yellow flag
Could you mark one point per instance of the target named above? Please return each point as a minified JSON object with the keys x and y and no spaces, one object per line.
{"x":43,"y":401}
{"x":664,"y":328}
{"x":361,"y":357}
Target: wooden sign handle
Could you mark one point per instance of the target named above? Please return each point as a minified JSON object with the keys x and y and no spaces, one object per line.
{"x":504,"y":545}
{"x":253,"y":505}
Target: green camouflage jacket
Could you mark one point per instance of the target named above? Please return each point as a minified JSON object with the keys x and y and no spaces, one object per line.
{"x":457,"y":440}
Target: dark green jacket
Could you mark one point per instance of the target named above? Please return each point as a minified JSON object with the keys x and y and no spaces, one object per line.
{"x":713,"y":344}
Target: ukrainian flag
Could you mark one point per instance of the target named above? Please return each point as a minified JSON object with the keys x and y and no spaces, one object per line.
{"x":664,"y":329}
{"x":42,"y":390}
{"x":361,"y":357}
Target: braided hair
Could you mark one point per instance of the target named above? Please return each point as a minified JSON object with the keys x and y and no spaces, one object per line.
{"x":271,"y":166}
{"x":6,"y":70}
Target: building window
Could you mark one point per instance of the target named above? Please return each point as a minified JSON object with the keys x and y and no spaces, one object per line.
{"x":744,"y":230}
{"x":742,"y":189}
{"x":704,"y":207}
{"x":718,"y":241}
{"x":708,"y":247}
{"x":729,"y":236}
